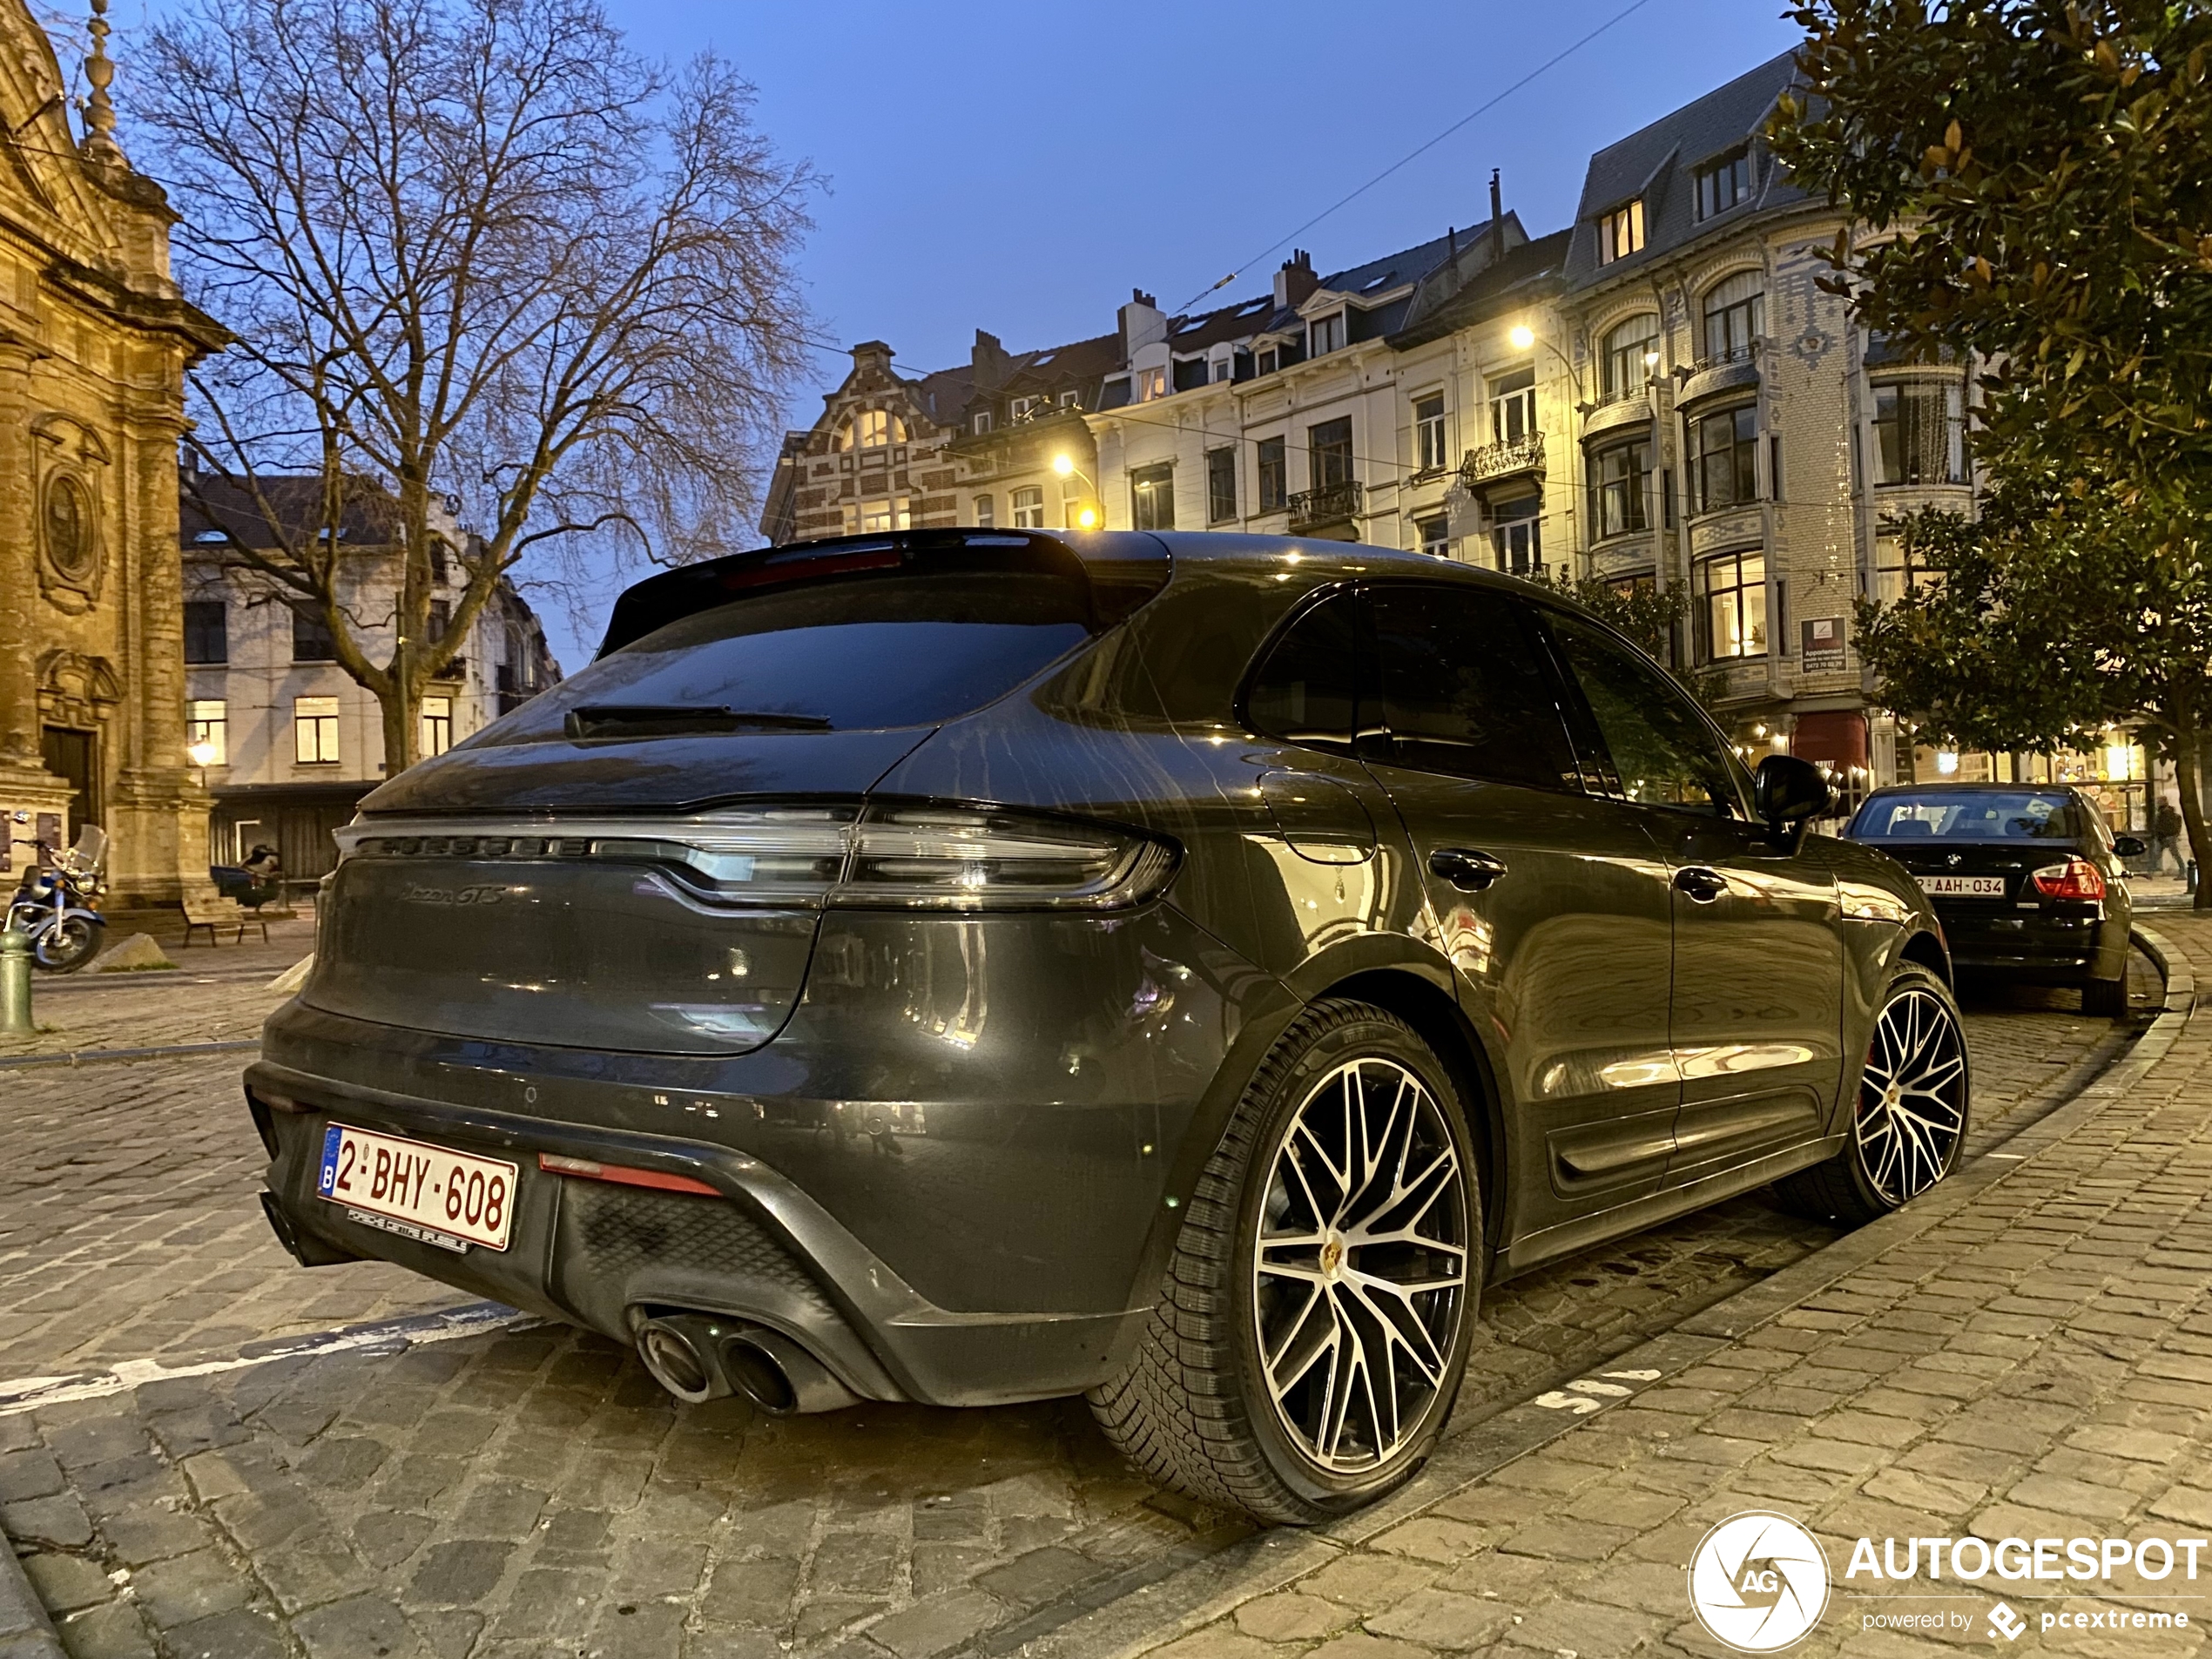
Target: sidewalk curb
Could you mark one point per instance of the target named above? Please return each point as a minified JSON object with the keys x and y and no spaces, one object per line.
{"x":25,"y":1632}
{"x":1272,"y":1560}
{"x":95,"y":1056}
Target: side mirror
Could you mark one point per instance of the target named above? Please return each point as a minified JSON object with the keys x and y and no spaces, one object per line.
{"x":2129,"y":847}
{"x":1788,"y":792}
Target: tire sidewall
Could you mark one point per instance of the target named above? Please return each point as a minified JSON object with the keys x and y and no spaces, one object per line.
{"x":1910,"y":977}
{"x":1370,"y":1034}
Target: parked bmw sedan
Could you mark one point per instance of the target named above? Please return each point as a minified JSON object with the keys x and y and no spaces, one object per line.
{"x":965,"y":966}
{"x":2026,"y":880}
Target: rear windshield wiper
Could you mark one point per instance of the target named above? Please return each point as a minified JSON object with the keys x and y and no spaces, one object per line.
{"x":682,"y":720}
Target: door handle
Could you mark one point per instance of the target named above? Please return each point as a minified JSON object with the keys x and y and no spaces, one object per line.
{"x":1699,"y":883}
{"x":1465,"y":868}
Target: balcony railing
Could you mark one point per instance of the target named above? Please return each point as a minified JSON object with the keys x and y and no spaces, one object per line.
{"x":1495,"y":461}
{"x":1331,"y":504}
{"x":1746,"y":353}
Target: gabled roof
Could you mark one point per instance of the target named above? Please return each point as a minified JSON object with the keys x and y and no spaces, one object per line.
{"x":1659,"y":163}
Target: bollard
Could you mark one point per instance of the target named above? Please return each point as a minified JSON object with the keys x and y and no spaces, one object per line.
{"x":15,"y":981}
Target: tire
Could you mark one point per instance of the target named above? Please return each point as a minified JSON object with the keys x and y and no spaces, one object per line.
{"x":2105,"y":998}
{"x":1195,"y":1408}
{"x":1900,"y":1143}
{"x":69,"y":944}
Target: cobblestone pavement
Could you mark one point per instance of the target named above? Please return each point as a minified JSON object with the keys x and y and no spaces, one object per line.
{"x":531,"y":1491}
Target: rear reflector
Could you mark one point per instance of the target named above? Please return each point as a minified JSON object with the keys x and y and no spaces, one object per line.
{"x":624,"y":1175}
{"x":2075,"y":879}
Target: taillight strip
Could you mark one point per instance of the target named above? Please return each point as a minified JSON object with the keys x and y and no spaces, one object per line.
{"x":622,"y":1174}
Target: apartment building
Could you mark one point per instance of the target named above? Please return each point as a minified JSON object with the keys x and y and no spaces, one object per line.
{"x":286,"y":741}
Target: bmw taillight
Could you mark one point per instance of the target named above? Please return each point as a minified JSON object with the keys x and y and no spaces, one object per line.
{"x":2075,"y":879}
{"x":896,"y":855}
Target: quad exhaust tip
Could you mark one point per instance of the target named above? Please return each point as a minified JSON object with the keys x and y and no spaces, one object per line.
{"x":698,"y":1357}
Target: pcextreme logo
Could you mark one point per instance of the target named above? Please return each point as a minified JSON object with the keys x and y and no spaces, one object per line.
{"x":1758,"y":1582}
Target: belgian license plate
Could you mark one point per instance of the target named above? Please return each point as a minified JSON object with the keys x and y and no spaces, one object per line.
{"x":1963,"y":886}
{"x":428,"y":1193}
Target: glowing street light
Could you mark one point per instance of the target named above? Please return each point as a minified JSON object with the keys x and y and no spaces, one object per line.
{"x":1063,"y":464}
{"x":1523,"y":337}
{"x":201,"y":753}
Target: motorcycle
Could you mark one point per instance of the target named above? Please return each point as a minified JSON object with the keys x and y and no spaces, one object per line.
{"x":57,"y":903}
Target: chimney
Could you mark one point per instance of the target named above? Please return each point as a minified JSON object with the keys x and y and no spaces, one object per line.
{"x":1497,"y":218}
{"x":991,"y":364}
{"x":1296,"y":280}
{"x":1142,"y":322}
{"x":871,"y":354}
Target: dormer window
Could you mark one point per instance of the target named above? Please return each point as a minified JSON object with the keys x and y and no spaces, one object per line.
{"x":982,"y":422}
{"x":1621,"y":233}
{"x":1151,"y":384}
{"x":1326,"y":334}
{"x":1723,"y":183}
{"x":1023,"y":407}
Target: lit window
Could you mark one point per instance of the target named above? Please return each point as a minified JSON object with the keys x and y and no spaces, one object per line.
{"x":877,"y":429}
{"x":1029,"y":508}
{"x":1621,"y":233}
{"x":877,"y":516}
{"x":1513,"y":406}
{"x":1630,"y":353}
{"x":1151,"y":384}
{"x":1898,"y":570}
{"x":984,"y":518}
{"x":1731,"y":593}
{"x":1723,"y":184}
{"x":1428,"y":433}
{"x":437,"y":726}
{"x":1071,"y":501}
{"x":1325,"y":335}
{"x":1517,"y":534}
{"x":209,"y":731}
{"x":314,"y":731}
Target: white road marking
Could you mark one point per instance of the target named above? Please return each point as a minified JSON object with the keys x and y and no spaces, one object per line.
{"x":28,"y":1394}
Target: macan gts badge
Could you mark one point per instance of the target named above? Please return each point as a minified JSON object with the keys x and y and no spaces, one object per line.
{"x":966,"y":967}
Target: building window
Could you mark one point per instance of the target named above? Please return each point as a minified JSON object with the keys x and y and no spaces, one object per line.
{"x":1734,"y":317}
{"x":1516,"y":534}
{"x":1621,"y":233}
{"x":436,"y":736}
{"x":1619,"y":477}
{"x":1274,"y":475}
{"x":983,"y":513}
{"x":1329,"y":453}
{"x":1326,"y":334}
{"x":1220,"y":486}
{"x":1513,"y":406}
{"x":207,"y":631}
{"x":1071,"y":502}
{"x":208,"y":733}
{"x":311,"y":640}
{"x":982,"y":422}
{"x":1898,"y":570}
{"x":1151,"y":384}
{"x":1428,"y":433}
{"x":1071,"y":400}
{"x":1434,"y":535}
{"x":1022,"y":408}
{"x":1029,"y":508}
{"x":1152,"y":497}
{"x":1919,"y":434}
{"x":875,"y":428}
{"x":1723,"y":184}
{"x":1731,"y":601}
{"x":1630,"y":353}
{"x":314,"y":731}
{"x":1725,"y":448}
{"x":886,"y":514}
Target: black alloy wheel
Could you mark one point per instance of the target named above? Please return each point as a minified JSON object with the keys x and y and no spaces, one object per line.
{"x":1911,"y":1116}
{"x":1315,"y":1324}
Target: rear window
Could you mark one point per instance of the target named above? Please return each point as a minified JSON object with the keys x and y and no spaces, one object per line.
{"x":912,"y":649}
{"x":1962,"y":815}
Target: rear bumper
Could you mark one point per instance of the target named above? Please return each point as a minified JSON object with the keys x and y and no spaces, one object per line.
{"x":947,"y":1179}
{"x":2037,"y":947}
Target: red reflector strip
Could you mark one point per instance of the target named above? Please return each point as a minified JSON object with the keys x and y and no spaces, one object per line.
{"x":805,"y":566}
{"x":624,"y":1175}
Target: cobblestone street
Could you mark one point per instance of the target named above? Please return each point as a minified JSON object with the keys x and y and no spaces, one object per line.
{"x":527,"y":1490}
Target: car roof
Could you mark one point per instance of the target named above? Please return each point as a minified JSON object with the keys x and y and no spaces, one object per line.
{"x":1978,"y":786}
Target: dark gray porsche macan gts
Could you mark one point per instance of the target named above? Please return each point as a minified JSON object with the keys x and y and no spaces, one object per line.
{"x":965,"y":966}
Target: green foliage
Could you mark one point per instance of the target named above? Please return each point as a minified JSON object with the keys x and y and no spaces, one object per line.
{"x":1646,"y":614}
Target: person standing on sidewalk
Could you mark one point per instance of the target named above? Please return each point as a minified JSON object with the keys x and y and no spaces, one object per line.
{"x":2166,"y":838}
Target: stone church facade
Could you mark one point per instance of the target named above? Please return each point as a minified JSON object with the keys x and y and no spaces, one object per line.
{"x":95,"y":341}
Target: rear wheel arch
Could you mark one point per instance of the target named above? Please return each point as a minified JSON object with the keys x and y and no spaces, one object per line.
{"x":1440,"y":1022}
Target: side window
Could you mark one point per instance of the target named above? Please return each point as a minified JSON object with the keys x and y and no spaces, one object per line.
{"x":1466,"y":690}
{"x":1663,"y":751}
{"x":1306,"y":691}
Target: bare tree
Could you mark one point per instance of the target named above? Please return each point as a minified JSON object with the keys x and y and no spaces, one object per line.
{"x":485,"y":263}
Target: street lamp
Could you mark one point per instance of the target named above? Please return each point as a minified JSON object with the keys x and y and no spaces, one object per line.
{"x":1524,"y":338}
{"x":1087,"y":513}
{"x":201,"y":754}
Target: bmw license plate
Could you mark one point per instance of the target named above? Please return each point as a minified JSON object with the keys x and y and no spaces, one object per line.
{"x":1963,"y":886}
{"x":428,"y":1193}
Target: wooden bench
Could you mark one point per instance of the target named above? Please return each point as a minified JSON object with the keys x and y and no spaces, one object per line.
{"x":224,"y":913}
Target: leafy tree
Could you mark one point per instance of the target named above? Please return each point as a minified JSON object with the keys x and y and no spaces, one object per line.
{"x":484,"y":263}
{"x":2033,"y":184}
